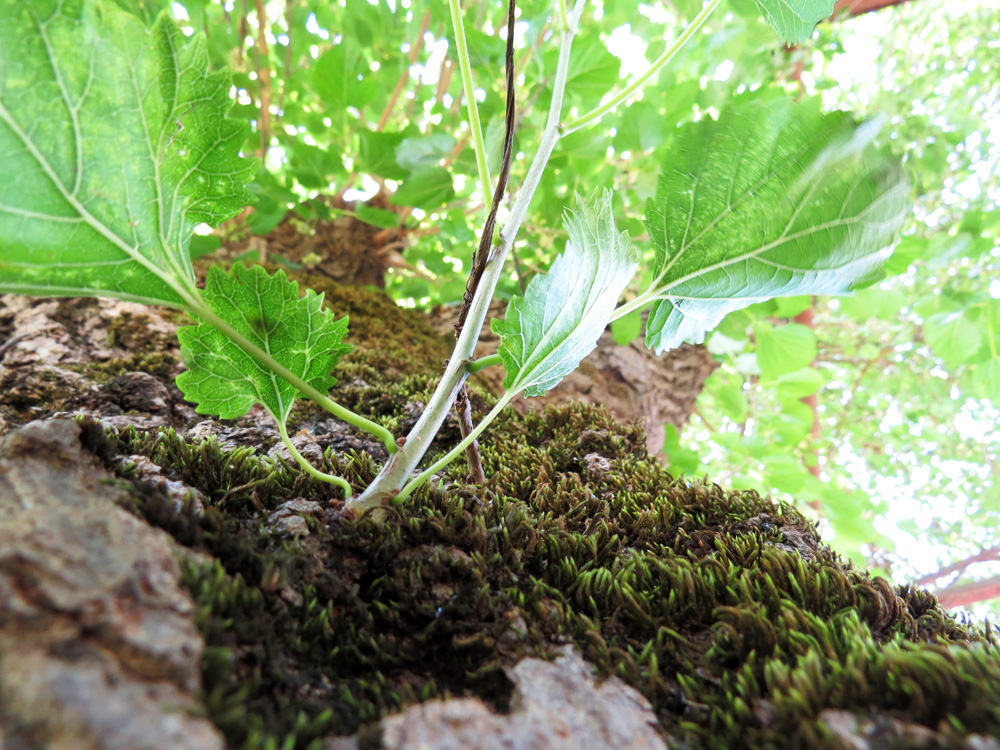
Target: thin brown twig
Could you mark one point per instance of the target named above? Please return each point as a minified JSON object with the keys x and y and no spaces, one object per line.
{"x":289,"y":4}
{"x":483,"y":253}
{"x":463,"y":408}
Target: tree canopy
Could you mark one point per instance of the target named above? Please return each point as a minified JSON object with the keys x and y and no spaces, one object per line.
{"x":878,"y":410}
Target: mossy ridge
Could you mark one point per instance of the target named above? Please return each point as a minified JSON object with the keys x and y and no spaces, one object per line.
{"x":723,"y":608}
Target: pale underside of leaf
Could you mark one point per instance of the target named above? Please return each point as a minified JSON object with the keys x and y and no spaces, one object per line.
{"x":547,"y":334}
{"x":794,"y":20}
{"x":774,"y":199}
{"x":114,"y":144}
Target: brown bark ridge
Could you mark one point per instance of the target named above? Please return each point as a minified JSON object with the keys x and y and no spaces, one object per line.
{"x":319,"y":629}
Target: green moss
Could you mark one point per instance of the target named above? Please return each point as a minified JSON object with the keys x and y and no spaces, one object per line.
{"x":723,"y":608}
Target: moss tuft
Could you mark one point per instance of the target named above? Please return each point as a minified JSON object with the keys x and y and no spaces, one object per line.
{"x":723,"y":608}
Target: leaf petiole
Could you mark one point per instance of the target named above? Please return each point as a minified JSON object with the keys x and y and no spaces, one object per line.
{"x":667,"y":56}
{"x":479,"y":144}
{"x":455,"y":452}
{"x":482,"y":363}
{"x":309,"y":468}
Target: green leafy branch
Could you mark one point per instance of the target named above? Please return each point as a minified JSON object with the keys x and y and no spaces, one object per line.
{"x":118,"y":143}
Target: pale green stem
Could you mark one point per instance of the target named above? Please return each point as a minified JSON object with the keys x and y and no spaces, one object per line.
{"x":650,"y":295}
{"x":563,"y":15}
{"x":642,"y":80}
{"x":470,"y":101}
{"x":455,"y":452}
{"x":483,"y":362}
{"x":204,"y":312}
{"x":401,"y":466}
{"x":308,"y":467}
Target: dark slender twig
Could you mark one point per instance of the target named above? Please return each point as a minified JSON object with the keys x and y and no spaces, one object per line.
{"x":463,"y":408}
{"x":482,"y":255}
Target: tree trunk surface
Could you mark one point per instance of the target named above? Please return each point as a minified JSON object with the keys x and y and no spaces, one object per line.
{"x":169,"y":580}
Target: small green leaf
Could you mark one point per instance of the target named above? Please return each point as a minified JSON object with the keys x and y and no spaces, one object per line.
{"x":297,"y":333}
{"x":115,"y":143}
{"x":731,"y":398}
{"x":548,"y":332}
{"x":953,"y":338}
{"x":773,"y":199}
{"x":377,"y":154}
{"x":342,"y":76}
{"x":783,"y":349}
{"x":203,"y":245}
{"x":627,"y":328}
{"x":801,"y":383}
{"x":593,"y":70}
{"x":794,"y":20}
{"x":378,"y":217}
{"x":983,"y":380}
{"x":418,"y":152}
{"x":427,"y":189}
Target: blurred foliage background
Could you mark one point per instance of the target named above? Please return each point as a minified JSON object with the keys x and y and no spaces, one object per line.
{"x":878,"y":412}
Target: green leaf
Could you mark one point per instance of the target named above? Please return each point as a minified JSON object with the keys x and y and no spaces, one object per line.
{"x":378,"y":217}
{"x":801,"y":383}
{"x":297,"y":332}
{"x":343,"y":78}
{"x":732,"y":400}
{"x":548,"y":332}
{"x":773,"y":199}
{"x":115,"y":144}
{"x":794,"y":20}
{"x":427,"y":189}
{"x":783,"y":349}
{"x":872,"y":303}
{"x":983,"y":380}
{"x":377,"y":154}
{"x":592,"y":69}
{"x":953,"y":338}
{"x":680,"y":461}
{"x":424,"y":151}
{"x":627,"y":328}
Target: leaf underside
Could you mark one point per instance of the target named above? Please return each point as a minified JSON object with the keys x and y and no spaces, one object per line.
{"x":297,"y":332}
{"x":794,"y":20}
{"x":773,"y":199}
{"x":548,"y":332}
{"x":114,"y":144}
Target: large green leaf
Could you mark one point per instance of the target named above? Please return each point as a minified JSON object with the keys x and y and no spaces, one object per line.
{"x":773,"y":199}
{"x":548,"y":332}
{"x":297,"y":332}
{"x":794,"y":20}
{"x":115,"y":144}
